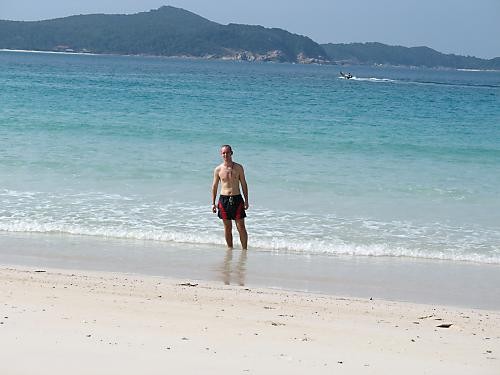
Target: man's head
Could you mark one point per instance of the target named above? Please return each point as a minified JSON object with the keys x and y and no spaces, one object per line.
{"x":226,"y":151}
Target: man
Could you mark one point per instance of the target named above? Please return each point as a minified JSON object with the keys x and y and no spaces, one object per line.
{"x":231,"y":205}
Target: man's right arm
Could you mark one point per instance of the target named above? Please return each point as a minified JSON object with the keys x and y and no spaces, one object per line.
{"x":215,"y":187}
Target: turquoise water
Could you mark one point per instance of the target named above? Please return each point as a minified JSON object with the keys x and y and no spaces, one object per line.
{"x":395,"y":162}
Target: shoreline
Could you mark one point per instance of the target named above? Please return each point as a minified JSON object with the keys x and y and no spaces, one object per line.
{"x":459,"y":284}
{"x":230,"y":58}
{"x":90,"y":321}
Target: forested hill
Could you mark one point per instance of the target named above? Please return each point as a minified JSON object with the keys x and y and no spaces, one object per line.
{"x":378,"y":53}
{"x":170,"y":31}
{"x":166,"y":31}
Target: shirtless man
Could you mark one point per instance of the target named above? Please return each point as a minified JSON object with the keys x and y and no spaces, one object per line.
{"x":231,"y":205}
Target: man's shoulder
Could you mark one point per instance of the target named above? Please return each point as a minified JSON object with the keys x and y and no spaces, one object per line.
{"x":238,"y":165}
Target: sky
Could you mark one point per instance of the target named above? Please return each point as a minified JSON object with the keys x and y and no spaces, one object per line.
{"x":463,"y":27}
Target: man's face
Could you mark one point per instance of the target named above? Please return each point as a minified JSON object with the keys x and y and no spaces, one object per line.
{"x":225,"y":152}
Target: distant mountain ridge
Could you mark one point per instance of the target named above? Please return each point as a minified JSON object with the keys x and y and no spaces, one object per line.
{"x":166,"y":31}
{"x":378,"y":53}
{"x":170,"y":31}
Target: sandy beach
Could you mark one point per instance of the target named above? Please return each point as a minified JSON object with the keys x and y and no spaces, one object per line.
{"x":58,"y":321}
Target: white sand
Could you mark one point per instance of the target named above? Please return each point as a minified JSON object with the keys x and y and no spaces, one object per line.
{"x":63,"y":322}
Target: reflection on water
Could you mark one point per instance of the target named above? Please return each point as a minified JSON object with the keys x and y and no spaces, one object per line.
{"x":234,"y":270}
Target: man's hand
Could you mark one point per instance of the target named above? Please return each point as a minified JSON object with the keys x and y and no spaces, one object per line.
{"x":246,"y":205}
{"x":214,"y":209}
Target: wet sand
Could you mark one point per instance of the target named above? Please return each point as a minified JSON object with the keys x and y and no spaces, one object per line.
{"x":458,"y":284}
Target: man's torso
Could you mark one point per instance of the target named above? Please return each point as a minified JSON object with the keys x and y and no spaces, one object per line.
{"x":230,"y":178}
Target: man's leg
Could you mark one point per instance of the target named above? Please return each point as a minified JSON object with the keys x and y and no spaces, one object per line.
{"x":240,"y":225}
{"x":228,"y":233}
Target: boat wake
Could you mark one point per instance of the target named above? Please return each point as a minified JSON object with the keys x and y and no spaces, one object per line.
{"x":369,"y":79}
{"x":433,"y":83}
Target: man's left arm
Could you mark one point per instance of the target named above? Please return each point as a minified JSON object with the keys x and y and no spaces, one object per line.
{"x":244,"y":186}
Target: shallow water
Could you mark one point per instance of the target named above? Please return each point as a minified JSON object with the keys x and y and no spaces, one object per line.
{"x":396,"y":162}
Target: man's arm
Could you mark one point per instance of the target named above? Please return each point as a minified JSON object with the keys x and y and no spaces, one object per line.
{"x":244,"y":186}
{"x":215,"y":187}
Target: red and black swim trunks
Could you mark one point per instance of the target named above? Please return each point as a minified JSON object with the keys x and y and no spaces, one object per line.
{"x":231,"y":207}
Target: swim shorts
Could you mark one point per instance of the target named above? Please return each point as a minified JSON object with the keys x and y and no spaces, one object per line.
{"x":231,"y":207}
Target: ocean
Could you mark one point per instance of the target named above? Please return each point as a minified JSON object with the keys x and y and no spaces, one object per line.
{"x":396,"y":162}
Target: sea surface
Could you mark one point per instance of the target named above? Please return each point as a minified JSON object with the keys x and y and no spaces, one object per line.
{"x":396,"y":162}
